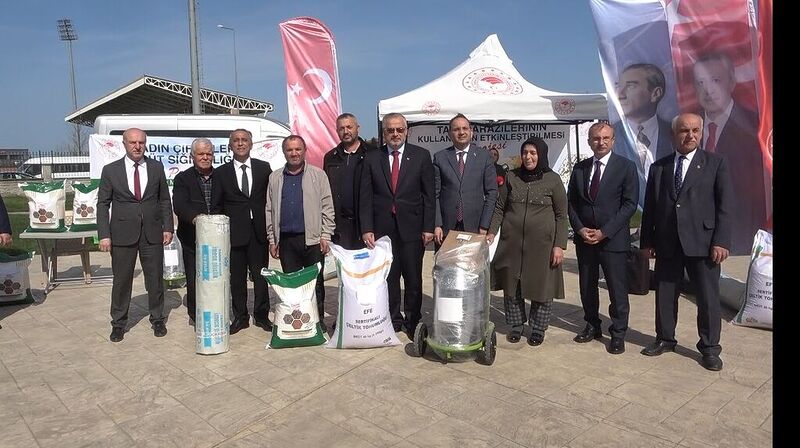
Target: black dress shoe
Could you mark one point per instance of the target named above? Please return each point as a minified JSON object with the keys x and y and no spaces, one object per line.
{"x":515,"y":334}
{"x":535,"y":339}
{"x":265,"y":324}
{"x":711,"y":362}
{"x":659,"y":347}
{"x":616,"y":346}
{"x":117,"y":334}
{"x":159,"y":329}
{"x":397,"y":327}
{"x":239,"y":324}
{"x":588,"y":334}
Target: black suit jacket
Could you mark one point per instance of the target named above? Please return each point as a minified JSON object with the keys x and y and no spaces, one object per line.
{"x":696,"y":218}
{"x":738,"y":142}
{"x":5,"y":222}
{"x":477,"y":188}
{"x":415,"y":198}
{"x":622,"y":147}
{"x":188,"y":202}
{"x":130,"y":218}
{"x":233,"y":203}
{"x":616,"y":201}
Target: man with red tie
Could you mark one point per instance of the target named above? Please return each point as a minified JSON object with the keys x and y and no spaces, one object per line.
{"x":398,"y":200}
{"x":141,"y":224}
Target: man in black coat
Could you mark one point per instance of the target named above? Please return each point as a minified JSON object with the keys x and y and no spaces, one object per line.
{"x":343,"y":165}
{"x":5,"y":227}
{"x":603,"y":194}
{"x":193,"y":193}
{"x":243,"y":198}
{"x":687,"y":224}
{"x":398,"y":200}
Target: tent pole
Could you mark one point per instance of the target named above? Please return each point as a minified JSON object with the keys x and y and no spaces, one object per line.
{"x":577,"y":144}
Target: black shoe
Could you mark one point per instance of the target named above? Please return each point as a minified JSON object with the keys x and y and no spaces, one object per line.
{"x":588,"y":334}
{"x":711,"y":362}
{"x":535,"y":339}
{"x":659,"y":347}
{"x":239,"y":324}
{"x":616,"y":346}
{"x":159,"y":329}
{"x":191,"y":321}
{"x":397,"y":327}
{"x":117,"y":334}
{"x":265,"y":324}
{"x":515,"y":334}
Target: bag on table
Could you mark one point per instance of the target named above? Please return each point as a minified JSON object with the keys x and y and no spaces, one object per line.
{"x":363,"y":319}
{"x":45,"y":205}
{"x":84,"y":205}
{"x":296,"y":321}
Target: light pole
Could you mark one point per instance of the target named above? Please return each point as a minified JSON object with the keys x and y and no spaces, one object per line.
{"x":67,"y":33}
{"x":235,"y":64}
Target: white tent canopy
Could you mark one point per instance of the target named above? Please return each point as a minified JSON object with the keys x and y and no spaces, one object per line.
{"x":487,"y":87}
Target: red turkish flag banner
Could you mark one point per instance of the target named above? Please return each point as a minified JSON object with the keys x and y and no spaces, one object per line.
{"x":765,"y":80}
{"x":312,"y":84}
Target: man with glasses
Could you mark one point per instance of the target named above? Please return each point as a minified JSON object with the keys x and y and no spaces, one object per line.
{"x":398,"y":200}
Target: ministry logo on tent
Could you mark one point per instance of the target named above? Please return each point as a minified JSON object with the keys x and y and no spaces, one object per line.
{"x":491,"y":81}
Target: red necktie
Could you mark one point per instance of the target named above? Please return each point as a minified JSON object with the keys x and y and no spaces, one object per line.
{"x":137,"y":188}
{"x":595,"y":185}
{"x":711,"y":143}
{"x":395,"y":174}
{"x":460,"y":205}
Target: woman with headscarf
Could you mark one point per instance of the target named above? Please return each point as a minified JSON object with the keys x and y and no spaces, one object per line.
{"x":531,"y":208}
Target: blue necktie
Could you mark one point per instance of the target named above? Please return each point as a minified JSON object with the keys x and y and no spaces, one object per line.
{"x":679,"y":174}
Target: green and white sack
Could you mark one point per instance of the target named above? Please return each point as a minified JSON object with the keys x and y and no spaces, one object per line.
{"x":296,"y":318}
{"x":756,"y":307}
{"x":45,"y":205}
{"x":15,"y":283}
{"x":84,"y":206}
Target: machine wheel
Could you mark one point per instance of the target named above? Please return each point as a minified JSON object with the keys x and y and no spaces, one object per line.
{"x":487,"y":354}
{"x":420,"y":340}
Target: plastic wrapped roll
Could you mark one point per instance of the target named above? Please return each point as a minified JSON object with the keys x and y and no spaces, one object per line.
{"x":461,"y":290}
{"x":213,"y":285}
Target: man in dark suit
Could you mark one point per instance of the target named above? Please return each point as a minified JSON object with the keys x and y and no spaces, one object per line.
{"x":398,"y":200}
{"x":687,"y":224}
{"x":193,"y":193}
{"x":466,"y":184}
{"x":5,"y":227}
{"x":603,"y":195}
{"x":243,"y":198}
{"x":640,"y":89}
{"x":343,"y":164}
{"x":732,"y":130}
{"x":141,"y":223}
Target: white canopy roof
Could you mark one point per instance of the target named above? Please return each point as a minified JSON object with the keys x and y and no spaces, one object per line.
{"x":487,"y":87}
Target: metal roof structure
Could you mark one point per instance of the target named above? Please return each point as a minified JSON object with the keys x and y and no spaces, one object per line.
{"x":152,"y":95}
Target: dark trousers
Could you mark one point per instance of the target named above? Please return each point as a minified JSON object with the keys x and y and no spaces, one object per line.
{"x":704,"y":274}
{"x":251,"y":256}
{"x":123,"y":260}
{"x":408,"y":263}
{"x":590,"y":259}
{"x":295,"y":255}
{"x":190,"y":268}
{"x":347,"y":234}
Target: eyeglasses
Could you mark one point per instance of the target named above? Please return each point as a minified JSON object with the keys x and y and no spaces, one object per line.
{"x":393,"y":130}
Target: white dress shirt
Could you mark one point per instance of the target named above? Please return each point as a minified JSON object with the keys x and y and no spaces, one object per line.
{"x":129,"y":170}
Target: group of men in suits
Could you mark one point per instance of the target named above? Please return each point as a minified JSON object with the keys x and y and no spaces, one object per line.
{"x":686,"y":225}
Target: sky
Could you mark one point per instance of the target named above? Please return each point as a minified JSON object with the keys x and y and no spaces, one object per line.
{"x":384,"y":49}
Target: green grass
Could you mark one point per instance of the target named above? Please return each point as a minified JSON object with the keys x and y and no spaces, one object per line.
{"x":636,"y":220}
{"x":19,"y":222}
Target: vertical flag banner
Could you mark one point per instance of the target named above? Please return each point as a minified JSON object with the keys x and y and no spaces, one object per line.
{"x":765,"y":93}
{"x":714,"y":54}
{"x":312,"y":84}
{"x":637,"y":69}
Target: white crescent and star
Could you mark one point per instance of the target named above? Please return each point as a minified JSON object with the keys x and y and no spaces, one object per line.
{"x":327,"y":85}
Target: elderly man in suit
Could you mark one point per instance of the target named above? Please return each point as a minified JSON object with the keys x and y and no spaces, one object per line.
{"x":603,"y":194}
{"x":466,"y":183}
{"x":243,"y":198}
{"x":193,"y":193}
{"x":731,"y":129}
{"x":5,"y":227}
{"x":141,"y":223}
{"x":397,"y":199}
{"x":687,"y":224}
{"x":640,"y":89}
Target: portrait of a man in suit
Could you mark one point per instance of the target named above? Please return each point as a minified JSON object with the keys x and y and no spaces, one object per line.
{"x":640,"y":89}
{"x":466,"y":183}
{"x":731,"y":129}
{"x":139,"y":224}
